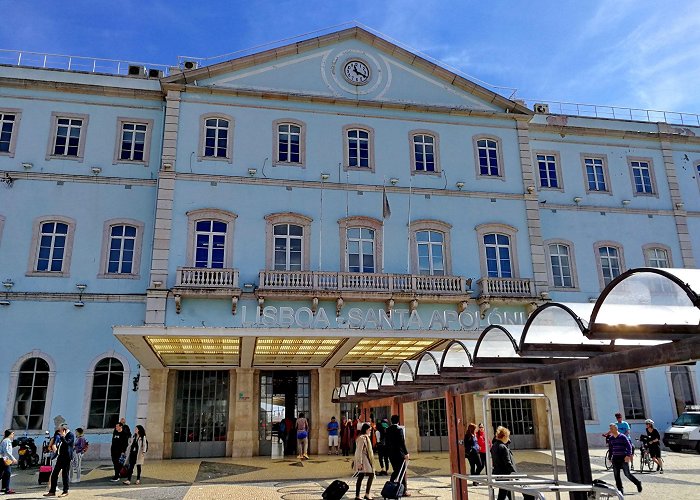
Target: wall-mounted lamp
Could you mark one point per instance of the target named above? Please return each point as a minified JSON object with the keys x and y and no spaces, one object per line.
{"x":679,"y":205}
{"x":81,"y":288}
{"x":577,"y":199}
{"x":27,"y":165}
{"x":460,"y":185}
{"x":530,"y":189}
{"x":248,"y":287}
{"x":8,"y":284}
{"x":544,"y":295}
{"x":95,"y":170}
{"x":252,"y":171}
{"x":325,"y":177}
{"x":157,"y":284}
{"x":167,"y":166}
{"x":394,"y":181}
{"x":625,"y":203}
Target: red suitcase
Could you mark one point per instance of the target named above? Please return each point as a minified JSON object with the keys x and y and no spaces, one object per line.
{"x":44,"y":473}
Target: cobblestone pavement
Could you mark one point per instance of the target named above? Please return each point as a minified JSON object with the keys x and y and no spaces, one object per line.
{"x":261,"y":478}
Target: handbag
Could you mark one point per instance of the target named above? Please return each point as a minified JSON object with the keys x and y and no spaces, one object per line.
{"x":9,"y":461}
{"x":124,"y":472}
{"x":302,"y":435}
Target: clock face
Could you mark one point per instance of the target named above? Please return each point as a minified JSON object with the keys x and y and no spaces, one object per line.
{"x":356,"y":72}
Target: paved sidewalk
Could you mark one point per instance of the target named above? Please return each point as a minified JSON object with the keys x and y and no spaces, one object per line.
{"x":261,"y":478}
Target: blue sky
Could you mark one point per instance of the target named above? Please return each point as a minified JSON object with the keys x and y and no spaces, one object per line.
{"x":641,"y":54}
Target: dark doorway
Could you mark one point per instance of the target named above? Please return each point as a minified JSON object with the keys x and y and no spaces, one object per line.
{"x":283,"y":395}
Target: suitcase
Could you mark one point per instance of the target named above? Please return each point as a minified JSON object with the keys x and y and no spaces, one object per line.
{"x":336,"y":490}
{"x":45,"y":473}
{"x":394,"y":490}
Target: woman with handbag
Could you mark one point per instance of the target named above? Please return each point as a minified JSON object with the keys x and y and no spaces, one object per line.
{"x":7,"y":460}
{"x":471,"y":450}
{"x":364,"y":461}
{"x":137,"y":453}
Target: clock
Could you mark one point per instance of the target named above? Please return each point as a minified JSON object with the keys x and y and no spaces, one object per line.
{"x":356,"y":72}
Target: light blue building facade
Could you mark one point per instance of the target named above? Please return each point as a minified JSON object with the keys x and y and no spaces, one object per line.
{"x":214,"y":250}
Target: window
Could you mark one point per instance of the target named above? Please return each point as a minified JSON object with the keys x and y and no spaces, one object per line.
{"x":430,"y":253}
{"x":488,"y":156}
{"x":631,"y":392}
{"x":133,"y":141}
{"x":361,"y":240}
{"x":548,"y":169}
{"x":657,"y":256}
{"x":210,"y":234}
{"x":560,"y":265}
{"x":681,"y":384}
{"x":642,"y":176}
{"x":216,"y":137}
{"x":30,"y":398}
{"x":289,"y":242}
{"x":584,"y":385}
{"x":290,"y":139}
{"x":9,"y":124}
{"x":610,"y":261}
{"x":121,"y":244}
{"x":67,"y":136}
{"x":497,"y":250}
{"x":51,"y":247}
{"x":424,"y":152}
{"x":595,"y":171}
{"x":106,"y":398}
{"x":359,"y":148}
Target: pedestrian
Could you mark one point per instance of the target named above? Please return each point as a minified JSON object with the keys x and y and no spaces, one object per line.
{"x":503,"y":462}
{"x":81,"y":446}
{"x":64,"y":456}
{"x":118,"y":449}
{"x":333,"y":428}
{"x":471,"y":451}
{"x":654,"y":445}
{"x":8,"y":459}
{"x":302,"y":427}
{"x":621,"y":456}
{"x":381,"y":447}
{"x":364,"y":461}
{"x":347,"y":435}
{"x":125,"y":428}
{"x":282,"y":432}
{"x":481,"y":439}
{"x":396,"y":449}
{"x":137,"y":453}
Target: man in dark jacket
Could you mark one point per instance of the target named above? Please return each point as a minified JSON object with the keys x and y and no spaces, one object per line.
{"x":120,"y":441}
{"x":64,"y":456}
{"x":396,"y":450}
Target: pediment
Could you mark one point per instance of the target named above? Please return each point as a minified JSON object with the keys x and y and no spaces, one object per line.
{"x":352,"y":64}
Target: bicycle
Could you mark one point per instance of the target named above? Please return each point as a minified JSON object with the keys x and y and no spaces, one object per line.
{"x":644,"y":456}
{"x":608,"y":455}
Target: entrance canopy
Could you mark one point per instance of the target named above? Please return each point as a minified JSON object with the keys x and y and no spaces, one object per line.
{"x":642,"y":307}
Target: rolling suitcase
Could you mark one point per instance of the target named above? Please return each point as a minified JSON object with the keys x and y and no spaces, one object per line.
{"x":394,"y":490}
{"x":44,"y":473}
{"x":336,"y":490}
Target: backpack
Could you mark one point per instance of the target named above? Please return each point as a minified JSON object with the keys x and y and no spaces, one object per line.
{"x":85,"y":448}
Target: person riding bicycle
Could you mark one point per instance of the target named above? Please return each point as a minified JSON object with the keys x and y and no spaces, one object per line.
{"x":653,"y":442}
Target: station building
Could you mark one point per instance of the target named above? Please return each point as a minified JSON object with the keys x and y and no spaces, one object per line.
{"x":209,"y":251}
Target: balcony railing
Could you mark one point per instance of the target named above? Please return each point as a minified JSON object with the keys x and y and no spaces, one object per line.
{"x":507,"y":287}
{"x":201,"y":277}
{"x":363,"y":282}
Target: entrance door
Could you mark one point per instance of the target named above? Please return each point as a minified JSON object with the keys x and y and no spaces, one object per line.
{"x":432,"y":425}
{"x":283,"y":395}
{"x":201,"y":414}
{"x":516,"y":415}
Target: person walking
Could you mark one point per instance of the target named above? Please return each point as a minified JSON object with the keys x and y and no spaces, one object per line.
{"x":8,"y":459}
{"x":396,"y":449}
{"x":621,"y":456}
{"x":481,"y":439}
{"x":347,"y":435}
{"x":471,"y":450}
{"x":654,"y":444}
{"x":381,"y":447}
{"x":503,"y":462}
{"x":125,"y":428}
{"x":364,"y":461}
{"x":117,"y":450}
{"x":137,"y":453}
{"x":333,"y":442}
{"x":64,"y":456}
{"x":302,"y":427}
{"x":81,"y":446}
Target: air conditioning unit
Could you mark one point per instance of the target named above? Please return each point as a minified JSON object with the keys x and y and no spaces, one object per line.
{"x":541,"y":108}
{"x":155,"y":73}
{"x":135,"y":70}
{"x":190,"y":65}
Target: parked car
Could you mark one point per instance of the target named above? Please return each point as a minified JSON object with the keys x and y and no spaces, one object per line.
{"x":684,"y":431}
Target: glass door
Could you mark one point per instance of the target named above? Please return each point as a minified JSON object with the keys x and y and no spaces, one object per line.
{"x":516,"y":415}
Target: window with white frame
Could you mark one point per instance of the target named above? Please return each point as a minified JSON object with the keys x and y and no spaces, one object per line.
{"x":498,"y":262}
{"x":430,"y":248}
{"x":210,"y":244}
{"x":9,"y":121}
{"x":548,"y":171}
{"x":424,"y":153}
{"x":631,"y":392}
{"x":657,"y":257}
{"x":642,"y":176}
{"x":595,"y":174}
{"x":681,"y":384}
{"x":122,"y":245}
{"x":560,"y":265}
{"x":585,"y":387}
{"x":609,"y":262}
{"x":52,"y":246}
{"x":487,"y":153}
{"x":361,"y":250}
{"x":132,"y":146}
{"x":289,"y":146}
{"x":358,"y":148}
{"x":31,"y":395}
{"x":106,"y":397}
{"x":289,"y":247}
{"x":216,"y":138}
{"x":67,"y":138}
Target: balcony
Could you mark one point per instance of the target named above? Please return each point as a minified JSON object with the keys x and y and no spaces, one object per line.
{"x":206,"y":282}
{"x":507,"y":287}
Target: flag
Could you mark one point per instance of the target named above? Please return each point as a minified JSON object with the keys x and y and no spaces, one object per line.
{"x":386,"y":210}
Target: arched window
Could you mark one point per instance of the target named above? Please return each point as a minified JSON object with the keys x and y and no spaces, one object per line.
{"x":430,"y":247}
{"x":210,"y":236}
{"x":562,"y":264}
{"x":610,"y":261}
{"x":215,"y":137}
{"x":288,"y":242}
{"x":289,"y":142}
{"x":361,"y":241}
{"x":358,"y":144}
{"x":30,"y":397}
{"x":106,"y":398}
{"x":498,"y":254}
{"x":424,"y":152}
{"x":52,"y":246}
{"x":489,"y":160}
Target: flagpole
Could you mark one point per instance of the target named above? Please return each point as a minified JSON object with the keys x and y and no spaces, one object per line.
{"x":383,"y":220}
{"x":320,"y":231}
{"x":408,"y":246}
